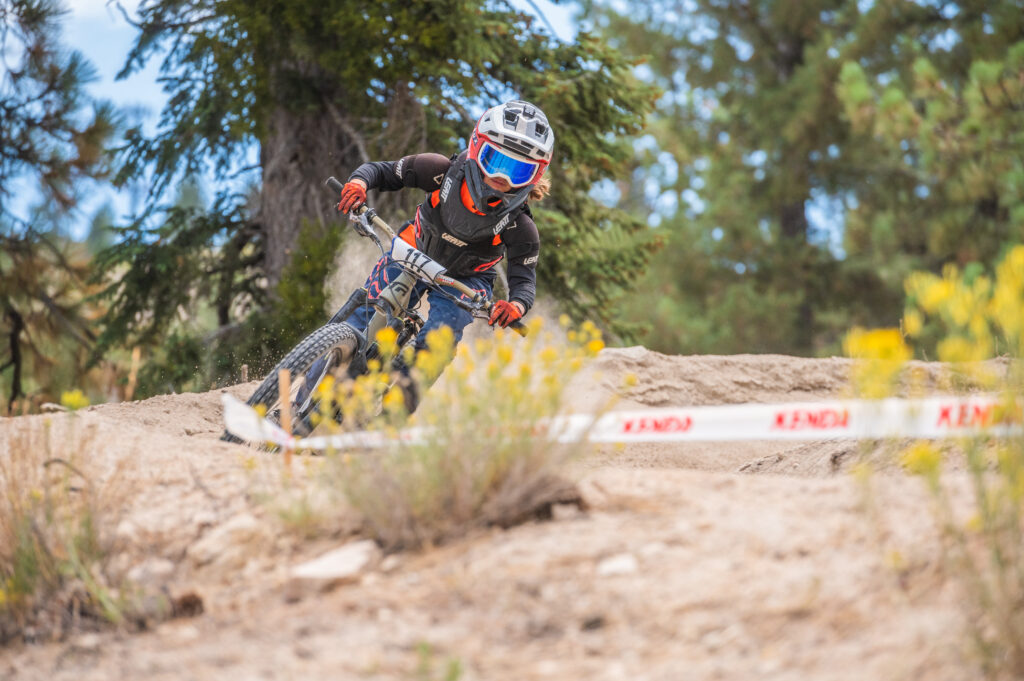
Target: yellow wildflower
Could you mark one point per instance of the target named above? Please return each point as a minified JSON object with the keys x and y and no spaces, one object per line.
{"x":387,"y":341}
{"x":883,"y":344}
{"x":74,"y":399}
{"x":958,"y":349}
{"x":394,"y":400}
{"x":504,"y":353}
{"x":326,"y":386}
{"x":922,"y":458}
{"x":913,"y":322}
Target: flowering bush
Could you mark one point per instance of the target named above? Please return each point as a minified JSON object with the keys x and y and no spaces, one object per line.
{"x":485,"y":459}
{"x":973,"y":316}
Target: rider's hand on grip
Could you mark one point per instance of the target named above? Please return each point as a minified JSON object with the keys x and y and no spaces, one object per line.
{"x":353,"y":195}
{"x":504,"y":313}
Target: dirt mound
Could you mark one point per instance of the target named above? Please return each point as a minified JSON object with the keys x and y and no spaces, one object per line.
{"x":667,"y":381}
{"x":704,"y":560}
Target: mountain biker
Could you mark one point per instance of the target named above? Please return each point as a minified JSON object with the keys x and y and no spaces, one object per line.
{"x":476,"y":212}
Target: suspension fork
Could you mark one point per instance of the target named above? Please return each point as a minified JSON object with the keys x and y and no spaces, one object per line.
{"x":392,"y":299}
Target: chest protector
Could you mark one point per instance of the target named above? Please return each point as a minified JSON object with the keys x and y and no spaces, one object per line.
{"x":451,"y":231}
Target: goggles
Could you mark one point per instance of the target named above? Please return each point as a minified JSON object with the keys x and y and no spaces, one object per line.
{"x":497,"y":163}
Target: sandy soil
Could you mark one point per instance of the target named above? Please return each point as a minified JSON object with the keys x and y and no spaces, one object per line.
{"x":742,"y":561}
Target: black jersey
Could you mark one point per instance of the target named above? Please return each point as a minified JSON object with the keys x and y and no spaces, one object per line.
{"x":451,"y":230}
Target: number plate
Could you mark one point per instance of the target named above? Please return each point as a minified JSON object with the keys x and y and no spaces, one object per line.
{"x":414,"y":260}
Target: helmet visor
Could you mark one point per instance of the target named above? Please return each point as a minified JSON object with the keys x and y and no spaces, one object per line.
{"x":496,"y":163}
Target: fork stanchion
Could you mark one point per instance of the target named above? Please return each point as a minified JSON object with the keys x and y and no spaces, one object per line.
{"x":284,"y":384}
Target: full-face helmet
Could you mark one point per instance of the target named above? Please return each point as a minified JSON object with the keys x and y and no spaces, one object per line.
{"x":513,"y":141}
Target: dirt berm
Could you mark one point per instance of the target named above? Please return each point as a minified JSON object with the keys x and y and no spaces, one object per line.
{"x":738,"y":561}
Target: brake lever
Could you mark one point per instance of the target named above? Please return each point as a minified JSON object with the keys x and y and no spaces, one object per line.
{"x":360,"y":220}
{"x":361,"y":224}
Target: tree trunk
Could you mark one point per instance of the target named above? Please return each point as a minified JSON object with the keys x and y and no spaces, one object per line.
{"x":17,"y":326}
{"x":797,"y":250}
{"x":298,"y":152}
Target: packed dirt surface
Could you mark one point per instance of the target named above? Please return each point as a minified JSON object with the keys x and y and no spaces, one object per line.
{"x":751,"y":560}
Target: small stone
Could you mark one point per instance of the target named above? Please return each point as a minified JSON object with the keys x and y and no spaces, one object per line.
{"x":204,"y":518}
{"x":390,"y":563}
{"x":565,"y":511}
{"x":230,"y":544}
{"x":594,"y":495}
{"x":86,"y":643}
{"x":151,"y":572}
{"x":181,"y":633}
{"x":653,"y":548}
{"x":341,"y":565}
{"x":126,"y":531}
{"x":620,"y":564}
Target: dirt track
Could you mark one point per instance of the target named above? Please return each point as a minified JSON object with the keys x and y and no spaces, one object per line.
{"x":738,"y":561}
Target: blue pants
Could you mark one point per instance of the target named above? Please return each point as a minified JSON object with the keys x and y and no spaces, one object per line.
{"x":443,"y":312}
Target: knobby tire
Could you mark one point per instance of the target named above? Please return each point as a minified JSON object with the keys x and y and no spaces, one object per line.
{"x":340,"y":338}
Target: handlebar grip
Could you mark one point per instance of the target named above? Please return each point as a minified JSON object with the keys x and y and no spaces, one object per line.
{"x":333,"y":183}
{"x":519,"y":328}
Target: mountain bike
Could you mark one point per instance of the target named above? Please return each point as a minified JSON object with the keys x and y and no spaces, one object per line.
{"x":339,"y":349}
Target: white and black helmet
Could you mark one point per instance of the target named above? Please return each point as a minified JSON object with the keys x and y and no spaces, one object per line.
{"x":513,"y":140}
{"x":519,"y":127}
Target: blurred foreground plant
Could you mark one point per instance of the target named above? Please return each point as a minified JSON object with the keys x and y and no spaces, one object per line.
{"x":974,"y":316}
{"x":57,"y":520}
{"x":484,"y":459}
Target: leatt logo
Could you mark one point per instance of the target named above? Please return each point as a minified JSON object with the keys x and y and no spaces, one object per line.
{"x":501,"y":224}
{"x":450,"y":239}
{"x":446,"y":188}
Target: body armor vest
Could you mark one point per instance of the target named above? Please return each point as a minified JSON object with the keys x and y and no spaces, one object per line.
{"x":453,"y":234}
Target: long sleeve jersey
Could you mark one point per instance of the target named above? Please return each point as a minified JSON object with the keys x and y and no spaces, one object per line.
{"x":427,"y":172}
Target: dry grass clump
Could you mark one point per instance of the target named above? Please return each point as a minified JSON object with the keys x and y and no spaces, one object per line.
{"x":974,"y":317}
{"x":483,"y":459}
{"x":57,"y":519}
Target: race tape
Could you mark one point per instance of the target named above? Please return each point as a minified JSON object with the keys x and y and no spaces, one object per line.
{"x":929,"y":418}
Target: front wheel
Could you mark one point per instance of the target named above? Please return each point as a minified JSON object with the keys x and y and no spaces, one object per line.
{"x":330,"y":349}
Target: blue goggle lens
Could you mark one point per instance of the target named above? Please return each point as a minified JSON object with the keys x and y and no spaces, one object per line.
{"x":495,"y":162}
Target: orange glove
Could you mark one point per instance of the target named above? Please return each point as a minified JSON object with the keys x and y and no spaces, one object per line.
{"x":353,"y":195}
{"x":504,"y":313}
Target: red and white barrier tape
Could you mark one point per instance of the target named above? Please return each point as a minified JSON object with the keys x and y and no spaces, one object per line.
{"x":932,"y":417}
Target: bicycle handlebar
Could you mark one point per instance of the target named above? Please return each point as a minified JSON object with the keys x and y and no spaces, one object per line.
{"x":333,"y":184}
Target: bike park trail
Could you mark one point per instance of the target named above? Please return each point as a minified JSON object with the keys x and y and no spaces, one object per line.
{"x":740,"y":560}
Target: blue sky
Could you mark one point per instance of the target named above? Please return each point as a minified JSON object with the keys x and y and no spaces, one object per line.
{"x":101,"y":33}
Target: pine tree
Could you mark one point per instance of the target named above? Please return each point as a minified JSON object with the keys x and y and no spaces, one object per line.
{"x":946,"y":136}
{"x":320,"y":87}
{"x":754,"y":139}
{"x":52,"y":139}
